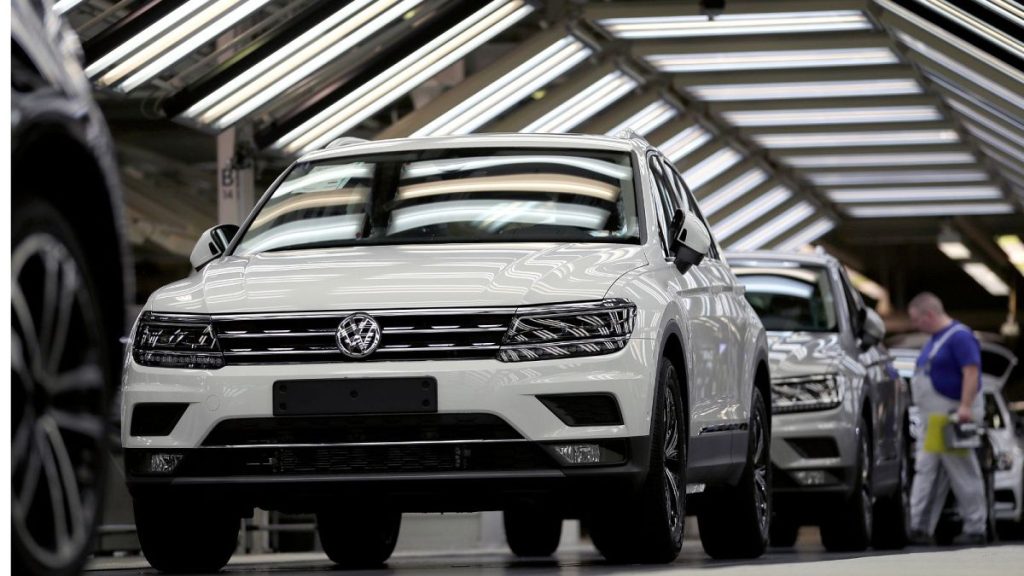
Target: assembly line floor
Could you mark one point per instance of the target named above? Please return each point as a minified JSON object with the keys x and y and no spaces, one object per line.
{"x":807,"y":558}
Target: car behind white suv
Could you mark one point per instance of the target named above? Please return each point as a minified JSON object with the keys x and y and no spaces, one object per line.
{"x":535,"y":324}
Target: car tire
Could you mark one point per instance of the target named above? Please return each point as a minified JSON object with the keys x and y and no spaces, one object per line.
{"x":648,"y":528}
{"x":849,"y":528}
{"x":358,"y":538}
{"x":60,"y":370}
{"x":783,"y":532}
{"x":891,"y":529}
{"x":532,"y":532}
{"x":736,"y":521}
{"x":186,"y":536}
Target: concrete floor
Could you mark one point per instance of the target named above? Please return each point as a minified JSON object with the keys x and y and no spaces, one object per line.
{"x":806,"y":558}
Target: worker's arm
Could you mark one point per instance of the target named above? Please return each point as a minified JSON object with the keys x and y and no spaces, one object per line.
{"x":968,"y":392}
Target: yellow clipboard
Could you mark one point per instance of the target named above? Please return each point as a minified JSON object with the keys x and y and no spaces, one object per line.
{"x":935,"y":439}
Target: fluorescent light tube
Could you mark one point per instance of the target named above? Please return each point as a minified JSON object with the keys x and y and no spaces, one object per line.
{"x":955,"y":250}
{"x":751,"y":212}
{"x":1014,"y":248}
{"x":807,"y":234}
{"x":815,"y":116}
{"x":64,"y":6}
{"x":736,"y":24}
{"x":880,"y":138}
{"x":584,"y":104}
{"x":774,"y":228}
{"x":925,"y":210}
{"x":907,"y":177}
{"x":408,"y":73}
{"x":487,"y":104}
{"x":771,"y":59}
{"x":914,"y":194}
{"x":988,"y":279}
{"x":732,"y":191}
{"x":647,"y":120}
{"x":817,"y":89}
{"x":297,"y":60}
{"x":710,"y":167}
{"x":681,"y":145}
{"x":1006,"y":9}
{"x":983,"y":28}
{"x":864,"y":160}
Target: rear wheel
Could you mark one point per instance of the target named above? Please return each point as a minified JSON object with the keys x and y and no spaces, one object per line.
{"x":532,"y":532}
{"x":354,"y":538}
{"x":849,"y":528}
{"x":648,"y":528}
{"x":186,"y":536}
{"x":735,"y":524}
{"x":891,"y":529}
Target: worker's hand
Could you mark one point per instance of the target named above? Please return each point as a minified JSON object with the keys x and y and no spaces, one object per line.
{"x":964,"y":414}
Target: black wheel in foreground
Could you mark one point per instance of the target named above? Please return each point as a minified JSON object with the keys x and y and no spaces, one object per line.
{"x":849,"y":528}
{"x":59,"y":373}
{"x":648,"y":528}
{"x":186,"y":536}
{"x":358,"y":538}
{"x":532,"y":532}
{"x":735,"y":524}
{"x":891,"y":529}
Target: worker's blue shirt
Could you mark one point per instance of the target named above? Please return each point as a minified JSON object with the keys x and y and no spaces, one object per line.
{"x":961,"y":349}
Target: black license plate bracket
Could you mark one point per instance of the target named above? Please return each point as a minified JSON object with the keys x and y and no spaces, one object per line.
{"x":339,"y":396}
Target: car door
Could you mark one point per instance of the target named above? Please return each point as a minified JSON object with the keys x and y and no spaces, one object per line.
{"x":696,"y":300}
{"x":881,"y":382}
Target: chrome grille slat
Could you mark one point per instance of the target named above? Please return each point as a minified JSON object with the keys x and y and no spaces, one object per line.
{"x":405,"y":335}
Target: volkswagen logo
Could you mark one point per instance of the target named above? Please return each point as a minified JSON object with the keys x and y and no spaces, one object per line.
{"x":358,"y":335}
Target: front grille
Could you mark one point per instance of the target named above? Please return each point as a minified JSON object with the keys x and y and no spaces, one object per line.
{"x":444,"y":334}
{"x":352,"y":429}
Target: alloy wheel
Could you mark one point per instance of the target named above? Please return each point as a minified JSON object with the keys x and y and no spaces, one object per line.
{"x":58,"y":411}
{"x":760,"y":463}
{"x":673,"y":463}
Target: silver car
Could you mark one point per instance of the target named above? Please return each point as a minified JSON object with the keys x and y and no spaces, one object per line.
{"x":839,"y":445}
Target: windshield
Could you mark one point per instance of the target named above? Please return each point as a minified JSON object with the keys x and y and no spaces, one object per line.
{"x":792,"y":299}
{"x":432,"y":196}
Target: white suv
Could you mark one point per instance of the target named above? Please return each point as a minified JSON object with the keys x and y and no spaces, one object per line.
{"x":538,"y":324}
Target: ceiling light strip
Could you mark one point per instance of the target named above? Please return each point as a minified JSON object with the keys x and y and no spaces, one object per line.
{"x":683,"y":144}
{"x":1013,"y":247}
{"x":732,"y":191}
{"x":865,"y":160}
{"x":806,"y":235}
{"x":403,"y":76}
{"x":710,"y":167}
{"x":736,"y":24}
{"x":774,"y":228}
{"x":771,"y":59}
{"x":965,"y":18}
{"x":928,"y":210}
{"x":893,"y":177}
{"x":297,"y":60}
{"x":751,"y":212}
{"x":819,"y":116}
{"x":913,"y":194}
{"x":584,"y":104}
{"x":879,"y":138}
{"x":794,"y":90}
{"x":647,"y":120}
{"x":487,"y":104}
{"x":985,"y":277}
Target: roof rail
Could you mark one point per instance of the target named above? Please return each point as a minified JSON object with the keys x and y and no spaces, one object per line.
{"x":630,"y":134}
{"x":344,"y":141}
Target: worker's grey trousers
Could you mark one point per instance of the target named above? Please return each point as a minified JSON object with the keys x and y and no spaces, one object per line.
{"x":935,"y":473}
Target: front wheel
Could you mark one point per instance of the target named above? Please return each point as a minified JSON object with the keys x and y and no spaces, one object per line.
{"x":532,"y":532}
{"x":892,"y":513}
{"x":848,"y":529}
{"x":354,"y":538}
{"x":648,"y":528}
{"x":735,"y":524}
{"x":186,"y":536}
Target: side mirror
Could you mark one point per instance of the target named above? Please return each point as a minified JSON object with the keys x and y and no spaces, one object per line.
{"x":872,"y":329}
{"x":212,"y":244}
{"x":691,"y":240}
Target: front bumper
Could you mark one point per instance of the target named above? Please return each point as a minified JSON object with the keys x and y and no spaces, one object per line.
{"x":813,"y":453}
{"x":1009,"y":493}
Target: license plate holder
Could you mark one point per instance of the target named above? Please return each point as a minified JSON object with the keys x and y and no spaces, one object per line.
{"x":340,"y":396}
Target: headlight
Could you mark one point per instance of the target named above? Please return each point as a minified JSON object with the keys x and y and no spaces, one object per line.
{"x":568,"y":330}
{"x":1004,"y":461}
{"x":176,"y":342}
{"x":819,"y":392}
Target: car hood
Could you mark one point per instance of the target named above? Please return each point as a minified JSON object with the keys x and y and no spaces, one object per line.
{"x":794,"y":354}
{"x":409,"y":276}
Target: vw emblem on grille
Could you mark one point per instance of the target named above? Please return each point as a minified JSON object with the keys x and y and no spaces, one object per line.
{"x":358,"y":335}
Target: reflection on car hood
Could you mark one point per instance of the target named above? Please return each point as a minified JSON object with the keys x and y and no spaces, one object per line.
{"x":792,"y":354}
{"x":408,"y":276}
